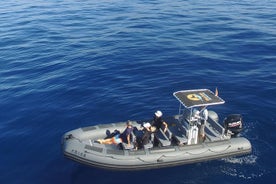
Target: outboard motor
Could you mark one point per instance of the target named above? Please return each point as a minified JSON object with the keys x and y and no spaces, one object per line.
{"x":233,"y":122}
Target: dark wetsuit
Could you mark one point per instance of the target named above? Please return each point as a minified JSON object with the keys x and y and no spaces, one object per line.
{"x":146,"y":137}
{"x":127,"y":132}
{"x":157,"y":122}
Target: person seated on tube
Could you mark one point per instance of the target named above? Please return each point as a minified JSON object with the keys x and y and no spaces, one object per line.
{"x":119,"y":138}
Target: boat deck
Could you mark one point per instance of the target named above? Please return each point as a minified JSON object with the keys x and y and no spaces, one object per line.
{"x":175,"y":136}
{"x":213,"y":130}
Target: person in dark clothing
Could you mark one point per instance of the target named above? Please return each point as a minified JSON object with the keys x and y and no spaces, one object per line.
{"x":147,"y":134}
{"x":126,"y":135}
{"x":119,"y":138}
{"x":145,"y":137}
{"x":158,"y":122}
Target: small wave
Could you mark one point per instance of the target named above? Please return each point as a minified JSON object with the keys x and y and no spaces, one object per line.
{"x":242,"y":167}
{"x":250,"y":159}
{"x":241,"y":173}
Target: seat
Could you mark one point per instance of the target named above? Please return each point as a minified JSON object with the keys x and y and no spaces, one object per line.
{"x":139,"y":134}
{"x":164,"y":138}
{"x":178,"y":133}
{"x":150,"y":144}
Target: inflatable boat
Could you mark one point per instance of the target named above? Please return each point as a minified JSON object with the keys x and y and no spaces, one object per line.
{"x":180,"y":144}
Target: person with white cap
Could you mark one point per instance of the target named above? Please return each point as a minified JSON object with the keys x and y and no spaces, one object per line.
{"x":158,"y":122}
{"x":147,"y":129}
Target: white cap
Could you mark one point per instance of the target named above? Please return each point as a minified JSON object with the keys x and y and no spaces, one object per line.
{"x":146,"y":125}
{"x":158,"y":114}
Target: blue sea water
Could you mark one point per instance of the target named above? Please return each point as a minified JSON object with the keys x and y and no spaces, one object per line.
{"x":66,"y":64}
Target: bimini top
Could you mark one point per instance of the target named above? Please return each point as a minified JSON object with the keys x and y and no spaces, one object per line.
{"x":197,"y":97}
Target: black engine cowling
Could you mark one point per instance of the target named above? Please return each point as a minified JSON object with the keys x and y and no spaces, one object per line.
{"x":233,"y":122}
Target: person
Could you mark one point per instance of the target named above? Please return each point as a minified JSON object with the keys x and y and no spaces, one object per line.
{"x":196,"y":115}
{"x":204,"y":114}
{"x":158,"y":122}
{"x":126,"y":135}
{"x":119,"y":138}
{"x":147,"y":134}
{"x":204,"y":118}
{"x":144,"y":135}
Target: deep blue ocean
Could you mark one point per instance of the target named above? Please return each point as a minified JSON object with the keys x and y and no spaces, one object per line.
{"x":66,"y":64}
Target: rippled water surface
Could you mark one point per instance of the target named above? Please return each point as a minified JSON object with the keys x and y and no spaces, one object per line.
{"x":69,"y":64}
